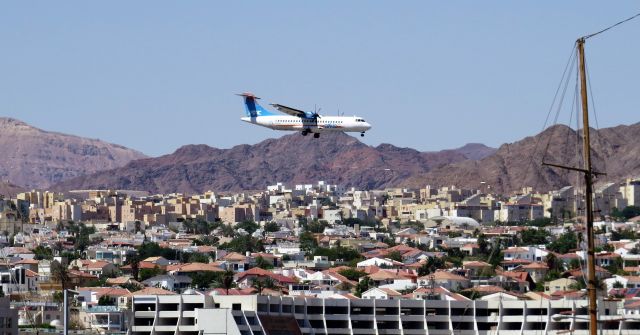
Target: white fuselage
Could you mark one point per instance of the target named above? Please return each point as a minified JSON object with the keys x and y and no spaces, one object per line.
{"x":319,"y":125}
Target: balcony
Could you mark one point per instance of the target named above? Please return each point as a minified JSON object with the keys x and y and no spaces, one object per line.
{"x":165,"y":328}
{"x":169,"y":314}
{"x":145,"y":314}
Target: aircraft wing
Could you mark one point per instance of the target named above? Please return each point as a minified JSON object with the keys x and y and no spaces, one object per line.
{"x":289,"y":110}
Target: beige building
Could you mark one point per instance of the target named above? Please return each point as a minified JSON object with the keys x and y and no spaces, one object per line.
{"x":561,"y":284}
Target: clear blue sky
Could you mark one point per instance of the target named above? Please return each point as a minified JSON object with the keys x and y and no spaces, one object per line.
{"x":156,"y":75}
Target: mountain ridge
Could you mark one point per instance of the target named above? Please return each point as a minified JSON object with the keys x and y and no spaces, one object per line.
{"x":334,"y":157}
{"x":37,"y":158}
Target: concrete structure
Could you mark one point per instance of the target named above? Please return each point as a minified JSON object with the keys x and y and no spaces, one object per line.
{"x":259,"y":315}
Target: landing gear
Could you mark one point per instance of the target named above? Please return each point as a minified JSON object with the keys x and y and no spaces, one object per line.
{"x":362,"y":134}
{"x":305,"y":132}
{"x":316,"y":135}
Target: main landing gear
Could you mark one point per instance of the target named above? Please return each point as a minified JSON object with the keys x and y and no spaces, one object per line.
{"x":307,"y":132}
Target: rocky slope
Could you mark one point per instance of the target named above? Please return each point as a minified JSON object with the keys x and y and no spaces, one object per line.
{"x":34,"y":158}
{"x":615,"y":151}
{"x":336,"y":158}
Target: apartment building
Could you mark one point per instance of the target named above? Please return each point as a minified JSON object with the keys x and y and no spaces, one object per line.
{"x":259,"y":315}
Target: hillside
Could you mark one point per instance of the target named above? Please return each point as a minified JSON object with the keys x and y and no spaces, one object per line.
{"x":34,"y":158}
{"x":334,"y":157}
{"x":615,"y":151}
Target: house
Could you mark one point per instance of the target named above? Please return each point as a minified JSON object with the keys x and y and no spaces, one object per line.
{"x":79,"y":278}
{"x":471,"y":249}
{"x":158,"y":260}
{"x":96,"y":268}
{"x":444,"y":279}
{"x":381,"y":262}
{"x":512,"y":281}
{"x":381,"y":293}
{"x":536,"y":270}
{"x":393,"y":278}
{"x":184,"y":269}
{"x":560,"y":284}
{"x":608,"y":259}
{"x":245,"y":279}
{"x":531,"y":254}
{"x":92,"y":295}
{"x":236,"y":262}
{"x":625,"y":281}
{"x":478,"y":269}
{"x":577,"y":273}
{"x":169,"y":282}
{"x":122,"y":281}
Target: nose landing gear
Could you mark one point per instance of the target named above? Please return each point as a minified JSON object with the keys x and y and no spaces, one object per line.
{"x":362,"y":134}
{"x":316,"y":135}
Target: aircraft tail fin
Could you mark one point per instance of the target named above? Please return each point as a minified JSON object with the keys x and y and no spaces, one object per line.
{"x":251,"y":106}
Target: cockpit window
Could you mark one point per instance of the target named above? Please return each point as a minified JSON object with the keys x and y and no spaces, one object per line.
{"x":360,"y":120}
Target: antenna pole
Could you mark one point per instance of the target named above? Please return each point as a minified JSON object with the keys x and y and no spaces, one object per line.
{"x":588,"y":178}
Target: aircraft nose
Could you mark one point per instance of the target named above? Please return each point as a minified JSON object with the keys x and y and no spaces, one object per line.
{"x":368,"y":125}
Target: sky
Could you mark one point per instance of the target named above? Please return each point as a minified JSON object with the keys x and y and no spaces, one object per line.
{"x":430,"y":75}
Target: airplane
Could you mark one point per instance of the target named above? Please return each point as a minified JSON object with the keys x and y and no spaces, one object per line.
{"x":298,"y":120}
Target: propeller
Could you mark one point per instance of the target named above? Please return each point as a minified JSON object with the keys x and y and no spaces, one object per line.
{"x":315,"y":115}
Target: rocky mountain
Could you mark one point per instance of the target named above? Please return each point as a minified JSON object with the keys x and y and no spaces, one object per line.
{"x":34,"y":158}
{"x":336,"y":158}
{"x":615,"y":151}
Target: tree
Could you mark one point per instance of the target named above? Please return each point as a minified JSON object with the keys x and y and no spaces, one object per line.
{"x":552,"y":262}
{"x":617,"y":284}
{"x":630,"y":212}
{"x":242,"y":244}
{"x":248,"y":226}
{"x":227,"y":280}
{"x":395,"y":255}
{"x":363,"y":286}
{"x":574,"y":264}
{"x":344,"y":286}
{"x":195,"y":257}
{"x":317,"y":226}
{"x":204,"y":279}
{"x":564,"y":243}
{"x":534,"y":236}
{"x":339,"y":252}
{"x":483,"y":245}
{"x":263,"y":263}
{"x":42,"y":252}
{"x":271,"y":227}
{"x":352,"y":273}
{"x":431,"y":265}
{"x":106,"y":300}
{"x":308,"y":243}
{"x":149,"y":273}
{"x":60,"y":273}
{"x":261,"y":283}
{"x":134,"y":261}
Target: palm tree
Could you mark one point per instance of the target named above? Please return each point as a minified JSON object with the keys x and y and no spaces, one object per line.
{"x":552,"y":262}
{"x":225,"y":281}
{"x":60,"y":273}
{"x":260,"y":284}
